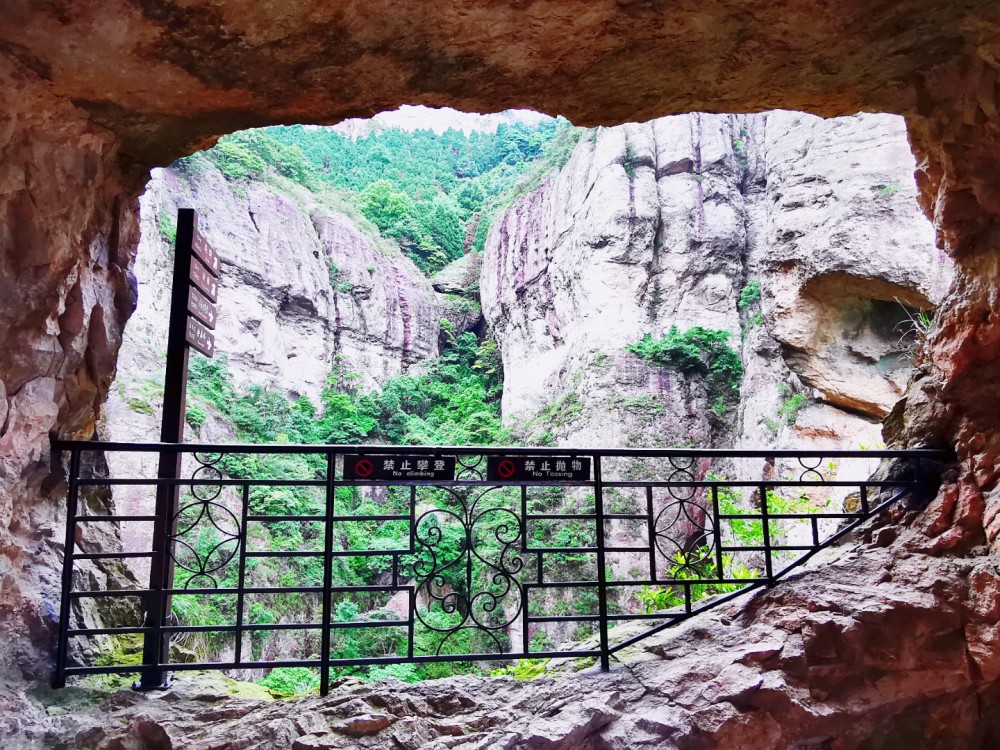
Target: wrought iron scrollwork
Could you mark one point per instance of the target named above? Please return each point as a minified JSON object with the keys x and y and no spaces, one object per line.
{"x":448,"y":577}
{"x":471,"y":468}
{"x":203,"y":515}
{"x":810,"y":469}
{"x":683,"y":532}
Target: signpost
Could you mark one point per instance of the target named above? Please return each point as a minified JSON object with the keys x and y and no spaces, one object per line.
{"x":537,"y":469}
{"x":192,"y":314}
{"x":399,"y":466}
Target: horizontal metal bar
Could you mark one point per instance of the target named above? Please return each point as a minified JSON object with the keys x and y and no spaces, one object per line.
{"x":682,"y":581}
{"x":235,"y":592}
{"x":769,"y":484}
{"x":109,"y":555}
{"x":560,"y":584}
{"x":370,"y":552}
{"x":649,"y":615}
{"x":113,"y":518}
{"x":212,"y":448}
{"x":88,"y":632}
{"x":278,"y":519}
{"x":373,"y":661}
{"x":564,"y":618}
{"x":562,"y":550}
{"x":560,"y":516}
{"x":286,"y":553}
{"x":197,"y":592}
{"x":221,"y":482}
{"x":788,"y":516}
{"x":343,"y":519}
{"x":627,"y":549}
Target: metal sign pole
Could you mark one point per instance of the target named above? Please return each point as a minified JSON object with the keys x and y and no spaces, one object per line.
{"x":183,"y":333}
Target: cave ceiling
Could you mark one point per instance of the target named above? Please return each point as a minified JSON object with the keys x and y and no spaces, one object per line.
{"x":169,"y":75}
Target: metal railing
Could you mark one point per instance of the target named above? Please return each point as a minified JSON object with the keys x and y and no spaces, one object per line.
{"x":468,"y":569}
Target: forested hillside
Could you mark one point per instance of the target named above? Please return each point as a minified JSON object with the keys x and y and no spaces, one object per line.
{"x":433,"y":194}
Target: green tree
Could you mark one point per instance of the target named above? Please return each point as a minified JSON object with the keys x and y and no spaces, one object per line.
{"x":391,"y":210}
{"x":443,"y":225}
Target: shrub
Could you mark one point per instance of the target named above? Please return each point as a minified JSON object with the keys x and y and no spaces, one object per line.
{"x":522,"y":669}
{"x":337,"y":282}
{"x":791,"y":404}
{"x":195,"y":416}
{"x":289,"y":681}
{"x":698,"y":351}
{"x":168,"y":227}
{"x":750,"y":295}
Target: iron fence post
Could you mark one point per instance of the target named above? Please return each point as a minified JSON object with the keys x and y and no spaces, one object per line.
{"x":65,"y":605}
{"x":161,"y":572}
{"x":241,"y":574}
{"x":331,"y":494}
{"x":602,"y":574}
{"x":766,"y":530}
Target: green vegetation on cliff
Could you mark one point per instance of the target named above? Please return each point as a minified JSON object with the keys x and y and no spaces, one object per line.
{"x":455,"y":400}
{"x":432,"y":193}
{"x":698,"y":351}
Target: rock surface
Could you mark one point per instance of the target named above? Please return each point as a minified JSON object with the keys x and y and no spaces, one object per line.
{"x":95,"y":93}
{"x":665,"y":224}
{"x":622,"y":241}
{"x":871,"y":647}
{"x":301,"y":284}
{"x":168,"y":75}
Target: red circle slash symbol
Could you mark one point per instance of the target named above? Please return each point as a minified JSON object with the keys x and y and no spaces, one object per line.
{"x":506,"y":468}
{"x":364,"y":468}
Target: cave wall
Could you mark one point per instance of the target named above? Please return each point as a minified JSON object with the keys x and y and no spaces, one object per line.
{"x":96,"y":93}
{"x":68,"y":234}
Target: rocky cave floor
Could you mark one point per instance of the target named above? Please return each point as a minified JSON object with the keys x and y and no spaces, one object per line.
{"x":885,"y":641}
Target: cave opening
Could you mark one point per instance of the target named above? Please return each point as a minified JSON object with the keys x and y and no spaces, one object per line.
{"x":399,"y":281}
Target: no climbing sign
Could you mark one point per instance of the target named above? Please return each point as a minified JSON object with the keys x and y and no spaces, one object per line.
{"x":537,"y":469}
{"x":398,"y":466}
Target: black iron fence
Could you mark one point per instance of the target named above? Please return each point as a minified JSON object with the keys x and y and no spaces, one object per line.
{"x":287,"y":556}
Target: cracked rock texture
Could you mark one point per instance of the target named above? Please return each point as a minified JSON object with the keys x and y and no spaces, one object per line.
{"x":871,"y":647}
{"x":664,"y":224}
{"x":96,"y":93}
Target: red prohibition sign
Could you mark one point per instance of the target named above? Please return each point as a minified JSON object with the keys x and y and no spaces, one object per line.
{"x":363,"y":468}
{"x":506,"y":468}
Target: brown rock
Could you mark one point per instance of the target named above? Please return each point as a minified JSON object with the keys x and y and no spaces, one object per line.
{"x":95,"y":93}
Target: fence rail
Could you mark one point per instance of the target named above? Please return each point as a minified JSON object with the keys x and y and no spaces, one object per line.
{"x":427,"y":571}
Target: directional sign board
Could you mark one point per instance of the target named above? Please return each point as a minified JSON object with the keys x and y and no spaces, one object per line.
{"x":537,"y":469}
{"x":399,"y":466}
{"x":200,"y":337}
{"x":206,"y":253}
{"x":201,"y":307}
{"x":202,"y":278}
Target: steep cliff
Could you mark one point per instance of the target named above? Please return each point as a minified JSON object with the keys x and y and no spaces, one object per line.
{"x":302,"y":283}
{"x":797,"y":236}
{"x":96,"y":93}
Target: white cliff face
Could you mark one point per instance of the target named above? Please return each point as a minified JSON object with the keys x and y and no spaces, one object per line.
{"x":661,"y":224}
{"x":301,"y":285}
{"x":641,"y":230}
{"x":844,"y":248}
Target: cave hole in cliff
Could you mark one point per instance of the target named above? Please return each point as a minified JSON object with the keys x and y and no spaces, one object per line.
{"x":401,"y":292}
{"x":893,"y":645}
